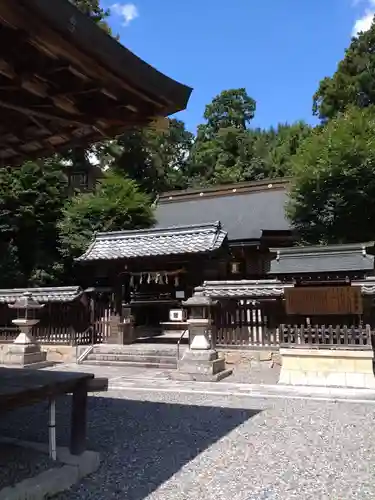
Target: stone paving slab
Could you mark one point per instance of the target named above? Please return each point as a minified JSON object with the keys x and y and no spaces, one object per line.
{"x":113,"y":372}
{"x":150,"y":380}
{"x":244,"y":371}
{"x":18,"y":463}
{"x":46,"y":477}
{"x":248,"y":390}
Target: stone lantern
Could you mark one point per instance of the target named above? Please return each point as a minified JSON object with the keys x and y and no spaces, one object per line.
{"x":199,"y":308}
{"x":201,"y":360}
{"x":25,"y":350}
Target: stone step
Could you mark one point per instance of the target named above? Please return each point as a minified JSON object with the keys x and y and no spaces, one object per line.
{"x":134,"y":358}
{"x":138,"y":350}
{"x":160,"y":366}
{"x":163,"y":340}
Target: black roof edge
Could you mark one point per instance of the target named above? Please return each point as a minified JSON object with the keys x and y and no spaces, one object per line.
{"x":277,"y":183}
{"x":94,"y":41}
{"x":215,"y":225}
{"x":244,"y":243}
{"x":313,"y":249}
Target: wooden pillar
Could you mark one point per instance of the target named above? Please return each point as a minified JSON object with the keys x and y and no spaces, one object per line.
{"x":79,"y":419}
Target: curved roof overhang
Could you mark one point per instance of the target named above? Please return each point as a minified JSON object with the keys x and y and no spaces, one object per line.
{"x":65,"y":82}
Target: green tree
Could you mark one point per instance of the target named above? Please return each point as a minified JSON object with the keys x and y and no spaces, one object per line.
{"x":283,"y":143}
{"x":117,"y":204}
{"x":227,"y":151}
{"x":353,"y":83}
{"x":93,"y":9}
{"x":232,"y":108}
{"x":157,"y":160}
{"x":332,"y":198}
{"x":222,"y":141}
{"x":31,"y":200}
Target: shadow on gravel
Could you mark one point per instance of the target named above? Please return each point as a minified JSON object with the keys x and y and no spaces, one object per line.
{"x":142,"y":443}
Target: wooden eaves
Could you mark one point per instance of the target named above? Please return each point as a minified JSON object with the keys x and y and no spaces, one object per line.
{"x":64,"y":82}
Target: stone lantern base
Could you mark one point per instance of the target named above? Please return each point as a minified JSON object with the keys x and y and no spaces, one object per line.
{"x":25,"y":352}
{"x":26,"y":356}
{"x":202,"y":366}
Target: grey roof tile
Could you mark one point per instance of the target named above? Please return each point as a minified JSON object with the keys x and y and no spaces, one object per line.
{"x":322,"y":259}
{"x":243,"y":215}
{"x":155,"y":242}
{"x":249,"y":289}
{"x":257,"y":289}
{"x":42,"y":295}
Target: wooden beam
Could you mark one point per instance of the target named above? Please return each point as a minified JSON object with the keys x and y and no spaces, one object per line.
{"x":41,"y":114}
{"x":29,"y":129}
{"x":64,"y":100}
{"x":56,"y":44}
{"x":35,"y":87}
{"x":75,"y":141}
{"x":34,"y":76}
{"x":7,"y":70}
{"x":66,"y":104}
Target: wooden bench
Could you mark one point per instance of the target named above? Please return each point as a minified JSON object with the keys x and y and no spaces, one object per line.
{"x":23,"y":387}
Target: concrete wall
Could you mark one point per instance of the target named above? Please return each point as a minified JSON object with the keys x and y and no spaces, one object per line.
{"x":325,"y":367}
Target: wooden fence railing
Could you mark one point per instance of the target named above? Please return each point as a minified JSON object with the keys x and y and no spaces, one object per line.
{"x":72,"y":323}
{"x":8,"y":333}
{"x":243,"y":323}
{"x":60,"y":336}
{"x":329,"y":337}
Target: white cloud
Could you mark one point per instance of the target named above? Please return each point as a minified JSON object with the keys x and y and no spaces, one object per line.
{"x":365,"y":21}
{"x":127,"y":11}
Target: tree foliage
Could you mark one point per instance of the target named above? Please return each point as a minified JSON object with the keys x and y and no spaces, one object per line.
{"x":93,"y":9}
{"x":232,"y":108}
{"x":156,"y":160}
{"x":117,"y":204}
{"x":353,"y":83}
{"x":332,"y":199}
{"x":226,"y":150}
{"x":31,"y":200}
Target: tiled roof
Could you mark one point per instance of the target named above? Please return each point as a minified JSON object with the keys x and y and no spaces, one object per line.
{"x":244,"y":211}
{"x":42,"y":295}
{"x":322,"y":259}
{"x":256,"y":289}
{"x":244,"y":288}
{"x":154,"y":242}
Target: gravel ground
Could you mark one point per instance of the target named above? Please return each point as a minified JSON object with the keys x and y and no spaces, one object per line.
{"x":169,"y":446}
{"x":18,"y":463}
{"x":256,"y":373}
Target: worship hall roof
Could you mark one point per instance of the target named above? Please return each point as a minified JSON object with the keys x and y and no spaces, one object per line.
{"x":155,"y":242}
{"x":246,"y":211}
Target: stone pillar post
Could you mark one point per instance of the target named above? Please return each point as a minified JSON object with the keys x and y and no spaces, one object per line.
{"x":122,"y":328}
{"x":201,"y":360}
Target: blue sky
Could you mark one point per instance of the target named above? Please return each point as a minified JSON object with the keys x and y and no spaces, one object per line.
{"x":278,"y":50}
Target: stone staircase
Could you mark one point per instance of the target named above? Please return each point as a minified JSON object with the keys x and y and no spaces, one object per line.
{"x":148,"y":355}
